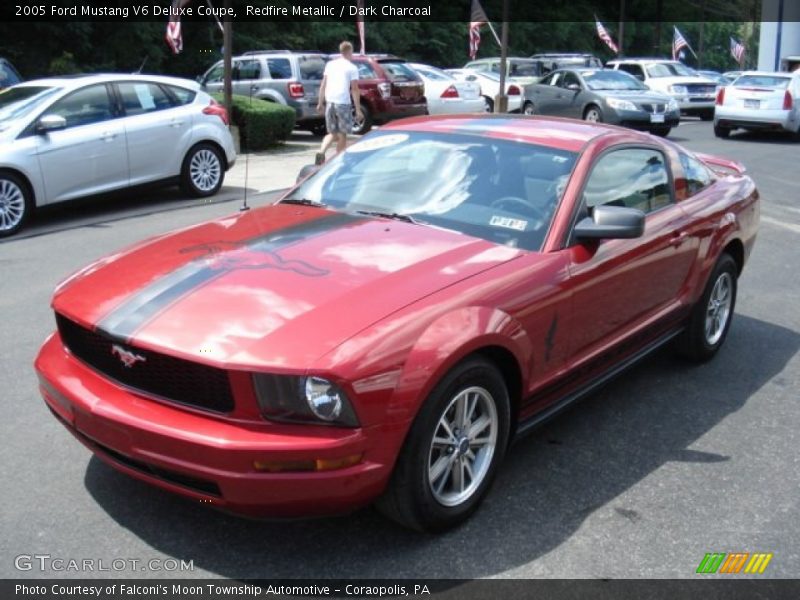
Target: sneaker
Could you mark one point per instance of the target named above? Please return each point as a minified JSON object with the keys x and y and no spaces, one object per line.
{"x":319,"y":158}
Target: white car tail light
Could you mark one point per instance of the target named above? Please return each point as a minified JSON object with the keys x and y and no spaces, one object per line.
{"x":720,"y":96}
{"x":216,"y":109}
{"x":788,"y":101}
{"x":513,"y":90}
{"x":450,"y":92}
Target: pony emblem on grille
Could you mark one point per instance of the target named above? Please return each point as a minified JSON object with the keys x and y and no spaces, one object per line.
{"x":127,"y":357}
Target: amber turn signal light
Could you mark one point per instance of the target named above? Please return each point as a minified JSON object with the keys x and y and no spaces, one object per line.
{"x":321,"y":464}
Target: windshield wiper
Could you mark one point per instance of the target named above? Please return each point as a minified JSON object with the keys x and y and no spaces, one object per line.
{"x":303,"y":201}
{"x":390,"y":215}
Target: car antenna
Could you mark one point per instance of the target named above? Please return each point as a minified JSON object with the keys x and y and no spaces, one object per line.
{"x":141,"y":66}
{"x":244,"y":207}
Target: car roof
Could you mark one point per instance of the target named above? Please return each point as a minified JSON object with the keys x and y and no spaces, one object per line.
{"x":770,"y":73}
{"x":553,"y":132}
{"x":644,"y":60}
{"x":75,"y":81}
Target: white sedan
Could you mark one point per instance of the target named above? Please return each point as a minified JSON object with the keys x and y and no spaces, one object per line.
{"x":446,"y":94}
{"x":63,"y":138}
{"x":759,"y":100}
{"x":490,"y":87}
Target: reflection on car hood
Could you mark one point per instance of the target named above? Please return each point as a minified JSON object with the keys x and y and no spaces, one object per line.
{"x":276,"y":286}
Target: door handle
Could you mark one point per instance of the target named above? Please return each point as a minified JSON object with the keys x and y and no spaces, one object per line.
{"x":108,"y":136}
{"x":175,"y":123}
{"x":678,"y":238}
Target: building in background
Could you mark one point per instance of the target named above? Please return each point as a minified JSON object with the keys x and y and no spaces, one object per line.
{"x":780,"y":35}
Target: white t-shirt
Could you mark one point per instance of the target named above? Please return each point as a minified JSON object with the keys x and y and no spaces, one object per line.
{"x":339,"y":72}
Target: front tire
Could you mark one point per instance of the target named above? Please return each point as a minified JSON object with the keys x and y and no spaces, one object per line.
{"x":528,"y":109}
{"x":661,"y":131}
{"x":712,"y":315}
{"x":203,"y":171}
{"x":452,"y":451}
{"x":707,"y":115}
{"x":16,"y":203}
{"x":488,"y":104}
{"x":593,"y":114}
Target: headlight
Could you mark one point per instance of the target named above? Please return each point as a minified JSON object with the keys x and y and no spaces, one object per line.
{"x":672,"y":105}
{"x":621,"y":104}
{"x":303,"y":399}
{"x":678,"y":89}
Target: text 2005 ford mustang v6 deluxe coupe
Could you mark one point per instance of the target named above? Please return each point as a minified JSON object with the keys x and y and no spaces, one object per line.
{"x":384,"y":330}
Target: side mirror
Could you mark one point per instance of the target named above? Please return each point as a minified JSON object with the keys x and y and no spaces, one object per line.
{"x":306,"y":171}
{"x":51,"y":123}
{"x":611,"y":222}
{"x":575,"y":87}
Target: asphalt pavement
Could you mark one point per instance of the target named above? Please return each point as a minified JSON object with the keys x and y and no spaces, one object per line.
{"x":643,"y":478}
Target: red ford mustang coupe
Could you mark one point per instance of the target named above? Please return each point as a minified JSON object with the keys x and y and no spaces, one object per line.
{"x":384,"y":330}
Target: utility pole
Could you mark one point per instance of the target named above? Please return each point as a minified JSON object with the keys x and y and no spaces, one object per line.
{"x":621,"y":28}
{"x":501,"y":100}
{"x":227,"y":57}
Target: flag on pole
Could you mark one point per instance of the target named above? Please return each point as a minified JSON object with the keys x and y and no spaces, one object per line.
{"x":360,"y":26}
{"x":679,"y":43}
{"x":737,"y":51}
{"x":477,"y":18}
{"x":174,"y":36}
{"x":605,"y":36}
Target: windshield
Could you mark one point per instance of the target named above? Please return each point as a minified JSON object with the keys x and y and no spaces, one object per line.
{"x":8,"y":75}
{"x":399,"y":71}
{"x":523,"y":68}
{"x":669,"y":70}
{"x":18,"y":102}
{"x":433,"y":73}
{"x":502,"y":191}
{"x":311,"y":67}
{"x":611,"y":80}
{"x":763,"y":81}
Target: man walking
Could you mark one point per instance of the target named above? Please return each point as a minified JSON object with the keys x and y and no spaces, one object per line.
{"x":339,"y":83}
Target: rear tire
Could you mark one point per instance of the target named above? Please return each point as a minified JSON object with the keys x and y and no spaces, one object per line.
{"x":363,"y":126}
{"x":430,"y":488}
{"x":661,"y":131}
{"x":203,"y":171}
{"x":712,"y":315}
{"x":707,"y":115}
{"x":16,"y":203}
{"x":721,"y":132}
{"x":489,"y":104}
{"x":528,"y":109}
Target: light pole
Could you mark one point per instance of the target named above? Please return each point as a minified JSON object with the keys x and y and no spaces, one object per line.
{"x":501,"y":100}
{"x":227,"y":58}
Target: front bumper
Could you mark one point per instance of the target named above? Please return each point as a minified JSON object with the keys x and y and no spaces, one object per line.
{"x":207,"y":458}
{"x":731,"y":117}
{"x":690,"y":104}
{"x":305,"y":110}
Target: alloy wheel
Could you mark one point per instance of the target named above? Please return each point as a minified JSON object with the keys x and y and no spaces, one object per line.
{"x":463,"y":445}
{"x":205,"y":170}
{"x":12,"y":205}
{"x":718,"y":310}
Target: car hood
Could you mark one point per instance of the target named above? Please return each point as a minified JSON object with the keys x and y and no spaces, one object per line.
{"x":680,"y":80}
{"x":638,"y":95}
{"x":275,"y":287}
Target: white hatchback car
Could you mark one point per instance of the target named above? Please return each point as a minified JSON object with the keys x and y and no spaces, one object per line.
{"x":446,"y":94}
{"x":63,"y":138}
{"x":759,"y":100}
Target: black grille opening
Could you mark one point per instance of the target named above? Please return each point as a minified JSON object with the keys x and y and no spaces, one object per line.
{"x":153,"y":373}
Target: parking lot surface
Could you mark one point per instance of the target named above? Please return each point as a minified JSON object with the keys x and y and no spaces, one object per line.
{"x":663,"y":465}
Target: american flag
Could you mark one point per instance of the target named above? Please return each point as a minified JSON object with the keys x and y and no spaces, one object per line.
{"x":737,"y":51}
{"x":360,"y":26}
{"x":477,"y":18}
{"x":606,"y":37}
{"x":174,"y":36}
{"x":678,"y":43}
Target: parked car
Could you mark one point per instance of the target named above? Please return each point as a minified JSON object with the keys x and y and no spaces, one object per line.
{"x":385,"y":329}
{"x":551,"y":61}
{"x":446,"y":94}
{"x":521,"y":70}
{"x":759,"y":100}
{"x":390,"y":89}
{"x":8,"y":74}
{"x":715,"y":76}
{"x":602,"y":95}
{"x":694,"y":94}
{"x":282,"y":76}
{"x":490,"y":87}
{"x":63,"y":138}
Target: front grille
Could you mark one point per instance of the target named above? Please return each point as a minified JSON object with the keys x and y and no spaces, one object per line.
{"x":160,"y":375}
{"x":701,"y":88}
{"x":653,"y":108}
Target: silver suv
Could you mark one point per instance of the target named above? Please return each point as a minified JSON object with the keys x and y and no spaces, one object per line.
{"x":282,"y":76}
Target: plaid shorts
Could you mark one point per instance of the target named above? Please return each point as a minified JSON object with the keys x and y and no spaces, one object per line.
{"x":339,"y":118}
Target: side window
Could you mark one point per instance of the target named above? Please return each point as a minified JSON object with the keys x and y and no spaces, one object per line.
{"x":215,"y":74}
{"x":568,"y":79}
{"x":140,"y":98}
{"x":632,"y":177}
{"x":88,"y":105}
{"x":279,"y":68}
{"x":365,"y":70}
{"x":555,"y":78}
{"x":246,"y":70}
{"x":183,"y":95}
{"x":697,"y":175}
{"x":635,"y":70}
